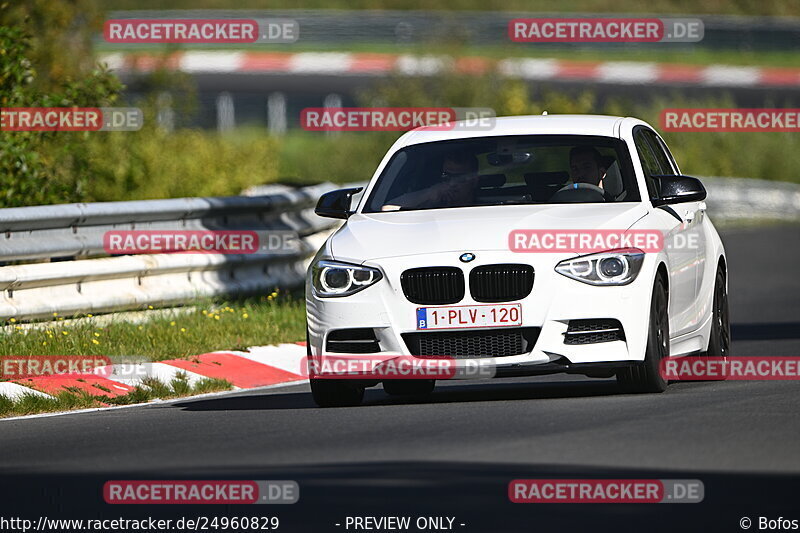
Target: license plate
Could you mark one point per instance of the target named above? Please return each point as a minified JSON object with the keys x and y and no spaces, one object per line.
{"x":469,"y":316}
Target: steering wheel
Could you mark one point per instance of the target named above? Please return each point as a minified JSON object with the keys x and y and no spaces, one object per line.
{"x":584,"y":188}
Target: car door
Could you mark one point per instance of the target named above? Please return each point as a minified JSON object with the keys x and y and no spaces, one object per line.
{"x":677,"y":230}
{"x":694,"y":214}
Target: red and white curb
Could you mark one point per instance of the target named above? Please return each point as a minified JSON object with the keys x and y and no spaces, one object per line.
{"x":261,"y":366}
{"x":337,"y":63}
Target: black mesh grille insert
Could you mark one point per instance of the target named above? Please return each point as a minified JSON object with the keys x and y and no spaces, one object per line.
{"x":433,"y":285}
{"x":500,"y":283}
{"x":473,"y":344}
{"x":593,"y":331}
{"x":356,"y":340}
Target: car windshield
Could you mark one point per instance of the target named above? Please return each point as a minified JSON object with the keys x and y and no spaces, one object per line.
{"x":523,"y":169}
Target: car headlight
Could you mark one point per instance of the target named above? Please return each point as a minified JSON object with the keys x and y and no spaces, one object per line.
{"x":332,"y":278}
{"x":615,"y":267}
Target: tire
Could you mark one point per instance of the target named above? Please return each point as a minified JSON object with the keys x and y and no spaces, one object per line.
{"x":336,"y":393}
{"x":408,"y":387}
{"x":719,"y":344}
{"x":645,"y":377}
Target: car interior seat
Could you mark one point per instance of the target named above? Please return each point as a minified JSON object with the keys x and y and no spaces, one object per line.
{"x":543,"y":185}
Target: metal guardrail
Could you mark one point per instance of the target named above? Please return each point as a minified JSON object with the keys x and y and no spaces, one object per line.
{"x":734,"y":199}
{"x":80,"y":278}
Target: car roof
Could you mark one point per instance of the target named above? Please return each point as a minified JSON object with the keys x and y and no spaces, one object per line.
{"x":599,"y":125}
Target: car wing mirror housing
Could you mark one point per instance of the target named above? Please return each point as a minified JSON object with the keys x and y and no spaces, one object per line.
{"x":679,"y":189}
{"x":336,"y":204}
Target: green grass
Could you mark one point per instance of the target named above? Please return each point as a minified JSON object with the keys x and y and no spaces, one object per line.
{"x":205,"y":328}
{"x":271,"y":319}
{"x":146,"y":163}
{"x":30,"y":404}
{"x":148,"y":390}
{"x":151,"y":389}
{"x":311,"y":157}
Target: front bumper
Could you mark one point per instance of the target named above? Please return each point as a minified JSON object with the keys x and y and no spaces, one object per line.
{"x":554,"y":301}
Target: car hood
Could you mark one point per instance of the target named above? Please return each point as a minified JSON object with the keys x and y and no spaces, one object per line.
{"x":371,"y":236}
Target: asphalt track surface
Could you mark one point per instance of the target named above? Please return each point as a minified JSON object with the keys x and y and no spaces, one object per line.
{"x":454,"y":453}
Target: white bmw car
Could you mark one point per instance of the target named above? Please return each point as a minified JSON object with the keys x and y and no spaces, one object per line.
{"x":545,"y":244}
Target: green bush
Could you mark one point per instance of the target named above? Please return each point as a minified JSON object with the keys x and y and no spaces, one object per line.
{"x":39,"y":168}
{"x":152,"y":164}
{"x":43,"y":167}
{"x":310,"y":157}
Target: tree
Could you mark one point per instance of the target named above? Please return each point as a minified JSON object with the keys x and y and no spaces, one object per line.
{"x":44,"y":48}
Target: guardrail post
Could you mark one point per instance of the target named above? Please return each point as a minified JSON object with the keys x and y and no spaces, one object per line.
{"x":332,"y":100}
{"x":226,"y":120}
{"x":166,"y":115}
{"x":276,"y":113}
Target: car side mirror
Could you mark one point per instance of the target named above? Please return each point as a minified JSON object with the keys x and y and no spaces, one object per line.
{"x":679,"y":189}
{"x":336,"y":204}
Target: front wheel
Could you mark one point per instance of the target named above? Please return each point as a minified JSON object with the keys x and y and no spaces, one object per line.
{"x":645,"y":376}
{"x":719,"y":345}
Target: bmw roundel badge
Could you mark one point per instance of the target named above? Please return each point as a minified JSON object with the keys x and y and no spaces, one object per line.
{"x":467,"y":257}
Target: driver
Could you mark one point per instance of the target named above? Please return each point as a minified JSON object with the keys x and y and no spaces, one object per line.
{"x":586,"y":166}
{"x":457,"y":186}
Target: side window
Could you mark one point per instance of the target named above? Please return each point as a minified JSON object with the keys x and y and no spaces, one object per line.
{"x":667,"y":168}
{"x":665,"y":148}
{"x":390,"y":187}
{"x":649,"y":163}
